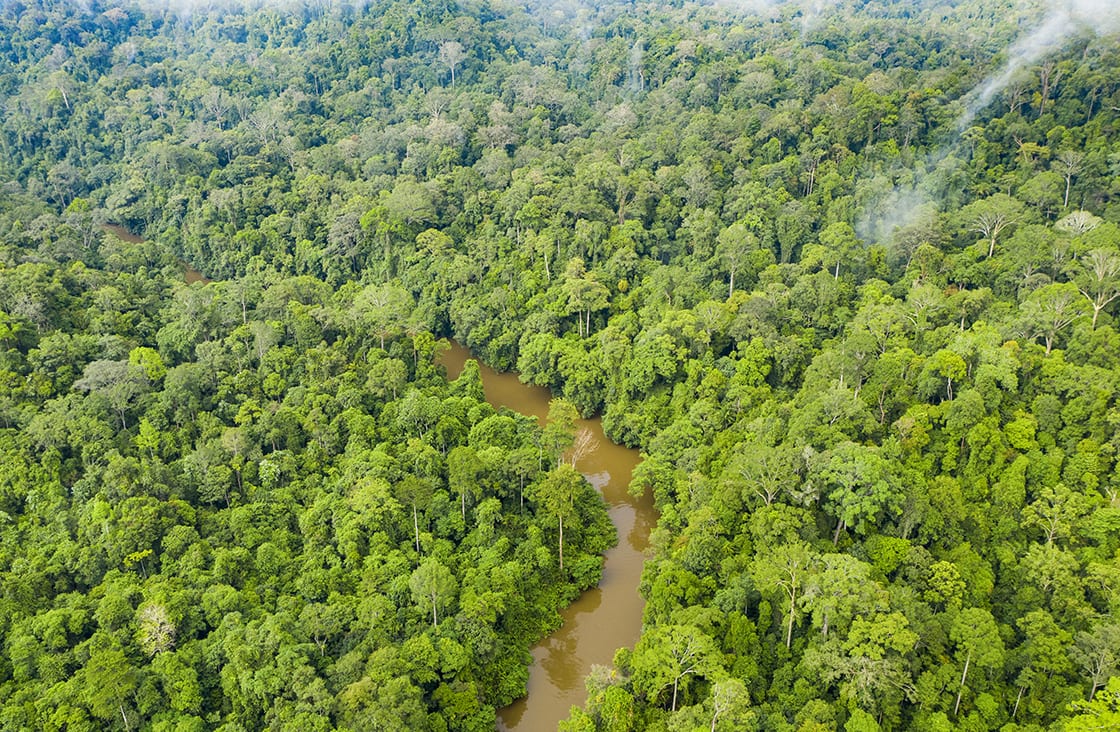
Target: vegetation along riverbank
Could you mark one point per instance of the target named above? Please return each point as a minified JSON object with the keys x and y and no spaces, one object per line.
{"x":845,"y":275}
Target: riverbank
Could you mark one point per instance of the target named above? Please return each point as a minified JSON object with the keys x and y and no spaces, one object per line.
{"x":604,"y":618}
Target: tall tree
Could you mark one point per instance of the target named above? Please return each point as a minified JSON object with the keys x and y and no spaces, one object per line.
{"x":557,"y":494}
{"x":785,"y":568}
{"x":977,"y":640}
{"x":992,"y":216}
{"x":670,"y":654}
{"x":433,"y":587}
{"x":1099,"y":279}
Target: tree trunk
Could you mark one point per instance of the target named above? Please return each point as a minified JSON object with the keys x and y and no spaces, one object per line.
{"x":967,"y":660}
{"x":789,"y":625}
{"x":561,"y":543}
{"x":675,"y":682}
{"x":416,"y":528}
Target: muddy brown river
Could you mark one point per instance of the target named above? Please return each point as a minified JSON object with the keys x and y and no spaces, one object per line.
{"x":603,"y":619}
{"x":190,"y":274}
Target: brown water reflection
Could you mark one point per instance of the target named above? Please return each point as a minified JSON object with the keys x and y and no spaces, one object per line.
{"x":190,"y":274}
{"x":603,"y":619}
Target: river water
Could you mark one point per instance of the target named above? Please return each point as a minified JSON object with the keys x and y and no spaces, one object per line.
{"x":190,"y":274}
{"x":603,"y":619}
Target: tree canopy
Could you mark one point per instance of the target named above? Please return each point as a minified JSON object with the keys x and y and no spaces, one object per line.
{"x":846,"y":273}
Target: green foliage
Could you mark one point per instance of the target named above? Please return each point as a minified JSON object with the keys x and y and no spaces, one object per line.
{"x":1101,"y":712}
{"x":865,"y":340}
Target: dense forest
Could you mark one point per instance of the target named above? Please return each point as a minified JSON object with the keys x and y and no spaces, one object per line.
{"x":848,"y":273}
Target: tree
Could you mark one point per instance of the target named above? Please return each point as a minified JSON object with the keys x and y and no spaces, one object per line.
{"x":557,"y":495}
{"x":947,"y":365}
{"x":156,"y":633}
{"x":109,"y":682}
{"x":609,"y":700}
{"x":1099,"y":713}
{"x":148,"y":438}
{"x":993,"y":215}
{"x":1077,"y":222}
{"x":1046,"y":648}
{"x":734,"y":247}
{"x":731,"y":701}
{"x":765,"y":471}
{"x":413,"y":491}
{"x":559,"y":430}
{"x":121,"y":382}
{"x":1056,"y":511}
{"x":463,"y":469}
{"x":1044,"y":190}
{"x":382,"y":309}
{"x":840,"y":243}
{"x":12,"y":329}
{"x":180,"y":682}
{"x":859,"y":485}
{"x":433,"y":587}
{"x":668,"y":655}
{"x":840,"y":587}
{"x":388,"y":703}
{"x":451,"y":54}
{"x":869,"y":666}
{"x":977,"y":639}
{"x":1098,"y":280}
{"x":150,"y":361}
{"x":585,"y":295}
{"x":1069,"y":164}
{"x":785,"y":567}
{"x":1051,"y":309}
{"x":1097,"y":652}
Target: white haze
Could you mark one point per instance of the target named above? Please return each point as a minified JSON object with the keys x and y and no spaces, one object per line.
{"x":1064,"y":21}
{"x":1061,"y":22}
{"x":811,"y":10}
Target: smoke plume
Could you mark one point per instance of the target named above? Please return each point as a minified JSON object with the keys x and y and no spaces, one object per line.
{"x":1064,"y":20}
{"x":1061,"y":22}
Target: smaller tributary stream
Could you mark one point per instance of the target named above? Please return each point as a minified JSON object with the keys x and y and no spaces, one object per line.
{"x":603,"y":619}
{"x":190,"y":274}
